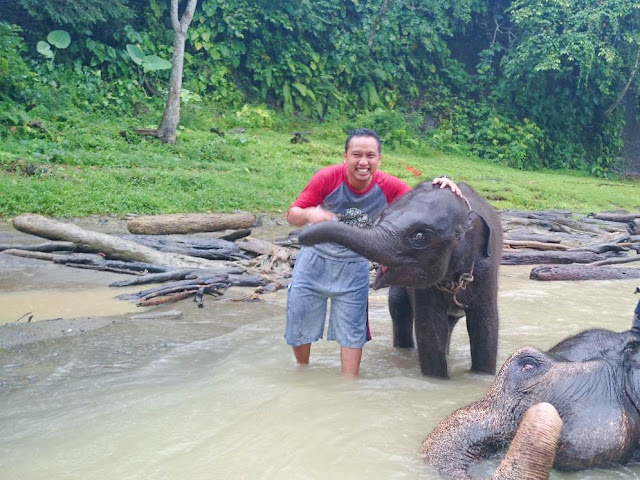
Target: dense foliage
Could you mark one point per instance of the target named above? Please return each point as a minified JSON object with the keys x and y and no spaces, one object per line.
{"x":526,"y":83}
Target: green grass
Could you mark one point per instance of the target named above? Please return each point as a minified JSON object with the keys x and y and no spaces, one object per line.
{"x":95,"y":165}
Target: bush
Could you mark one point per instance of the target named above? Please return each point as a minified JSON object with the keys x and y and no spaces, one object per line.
{"x":393,"y":127}
{"x":511,"y":143}
{"x":15,"y":75}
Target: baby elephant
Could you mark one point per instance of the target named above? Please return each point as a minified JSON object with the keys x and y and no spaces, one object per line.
{"x":441,"y":255}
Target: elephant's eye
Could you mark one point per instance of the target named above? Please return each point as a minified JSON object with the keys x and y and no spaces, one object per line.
{"x":420,"y":238}
{"x":528,"y":363}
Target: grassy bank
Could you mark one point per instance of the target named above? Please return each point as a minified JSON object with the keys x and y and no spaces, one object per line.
{"x":84,"y":164}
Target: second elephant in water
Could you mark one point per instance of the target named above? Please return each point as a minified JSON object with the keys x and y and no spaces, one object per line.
{"x":593,"y":381}
{"x":440,"y":255}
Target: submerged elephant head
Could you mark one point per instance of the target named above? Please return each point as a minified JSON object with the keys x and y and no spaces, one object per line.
{"x":421,"y":237}
{"x":592,"y":379}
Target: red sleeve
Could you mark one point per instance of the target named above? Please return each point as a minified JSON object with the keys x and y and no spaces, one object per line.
{"x":392,"y":187}
{"x":322,"y":183}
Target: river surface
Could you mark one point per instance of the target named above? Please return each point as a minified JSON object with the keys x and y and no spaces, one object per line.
{"x":216,"y":394}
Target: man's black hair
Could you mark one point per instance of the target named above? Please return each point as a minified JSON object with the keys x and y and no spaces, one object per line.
{"x":362,"y":132}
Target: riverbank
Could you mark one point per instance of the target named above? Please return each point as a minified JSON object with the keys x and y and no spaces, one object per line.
{"x":42,"y":300}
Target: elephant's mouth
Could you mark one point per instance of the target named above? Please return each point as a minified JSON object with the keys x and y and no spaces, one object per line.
{"x":401,"y":276}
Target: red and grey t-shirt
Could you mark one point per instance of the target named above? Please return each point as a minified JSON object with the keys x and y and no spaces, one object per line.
{"x":329,"y":187}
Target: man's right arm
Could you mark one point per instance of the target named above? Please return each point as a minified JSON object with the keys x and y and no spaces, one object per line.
{"x":298,"y":216}
{"x":307,"y":208}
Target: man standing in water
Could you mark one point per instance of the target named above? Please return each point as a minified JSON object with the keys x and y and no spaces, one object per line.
{"x":354,"y":192}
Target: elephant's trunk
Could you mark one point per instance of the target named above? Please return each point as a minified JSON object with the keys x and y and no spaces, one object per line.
{"x":373,"y":244}
{"x":533,"y":449}
{"x":474,"y":432}
{"x":464,"y":437}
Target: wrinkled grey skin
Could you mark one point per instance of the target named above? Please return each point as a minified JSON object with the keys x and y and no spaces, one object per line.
{"x":592,"y":379}
{"x":426,"y":239}
{"x":533,"y":449}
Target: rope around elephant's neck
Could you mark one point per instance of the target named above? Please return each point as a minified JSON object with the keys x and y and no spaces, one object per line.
{"x":453,"y":288}
{"x":466,"y":200}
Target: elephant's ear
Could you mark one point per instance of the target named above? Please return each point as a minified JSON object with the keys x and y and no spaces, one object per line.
{"x":487,"y":232}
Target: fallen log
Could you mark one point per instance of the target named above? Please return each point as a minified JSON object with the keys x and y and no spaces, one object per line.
{"x":582,"y":272}
{"x":89,"y":260}
{"x":173,"y":287}
{"x":236,"y":235}
{"x":607,"y":247}
{"x":171,"y":298}
{"x":535,"y":245}
{"x":605,"y":225}
{"x":614,"y":261}
{"x":211,"y":248}
{"x":179,"y":274}
{"x":190,"y":223}
{"x":172,"y":292}
{"x":111,"y":246}
{"x":528,"y":257}
{"x":104,"y":268}
{"x":42,"y":247}
{"x":615,"y":217}
{"x":555,"y":221}
{"x":531,"y":237}
{"x":50,"y":257}
{"x":212,"y":282}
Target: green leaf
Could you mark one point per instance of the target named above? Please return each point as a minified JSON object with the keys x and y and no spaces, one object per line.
{"x":288,"y":100}
{"x":136,"y":53}
{"x":301,"y":88}
{"x":59,"y":39}
{"x":153,"y":63}
{"x":44,"y":49}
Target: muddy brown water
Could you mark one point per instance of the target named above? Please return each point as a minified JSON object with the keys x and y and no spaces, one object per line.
{"x":216,"y":393}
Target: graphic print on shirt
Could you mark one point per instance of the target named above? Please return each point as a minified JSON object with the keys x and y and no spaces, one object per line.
{"x":356,"y":218}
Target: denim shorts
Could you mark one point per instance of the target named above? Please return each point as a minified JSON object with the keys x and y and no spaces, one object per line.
{"x":317,"y":279}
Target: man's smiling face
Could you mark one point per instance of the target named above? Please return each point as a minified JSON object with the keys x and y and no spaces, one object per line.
{"x":362,"y":159}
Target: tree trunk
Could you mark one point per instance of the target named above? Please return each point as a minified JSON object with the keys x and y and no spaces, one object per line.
{"x":582,"y":272}
{"x":171,"y":117}
{"x":189,"y":223}
{"x":530,"y":257}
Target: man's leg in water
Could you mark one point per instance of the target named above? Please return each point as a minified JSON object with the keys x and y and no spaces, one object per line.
{"x":350,"y":360}
{"x":302,"y":353}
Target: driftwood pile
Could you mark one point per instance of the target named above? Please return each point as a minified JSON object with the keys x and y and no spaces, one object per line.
{"x":571,"y":247}
{"x":185,"y":265}
{"x":166,"y":250}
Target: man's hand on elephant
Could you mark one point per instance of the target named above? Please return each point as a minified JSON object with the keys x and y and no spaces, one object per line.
{"x":446,"y":182}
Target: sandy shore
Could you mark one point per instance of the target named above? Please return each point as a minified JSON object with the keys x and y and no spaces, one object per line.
{"x":14,"y":334}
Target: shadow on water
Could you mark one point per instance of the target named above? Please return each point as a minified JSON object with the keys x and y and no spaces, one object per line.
{"x":216,"y":394}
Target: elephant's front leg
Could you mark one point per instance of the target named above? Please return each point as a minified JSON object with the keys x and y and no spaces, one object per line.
{"x":402,"y":317}
{"x":432,"y":333}
{"x":482,"y":325}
